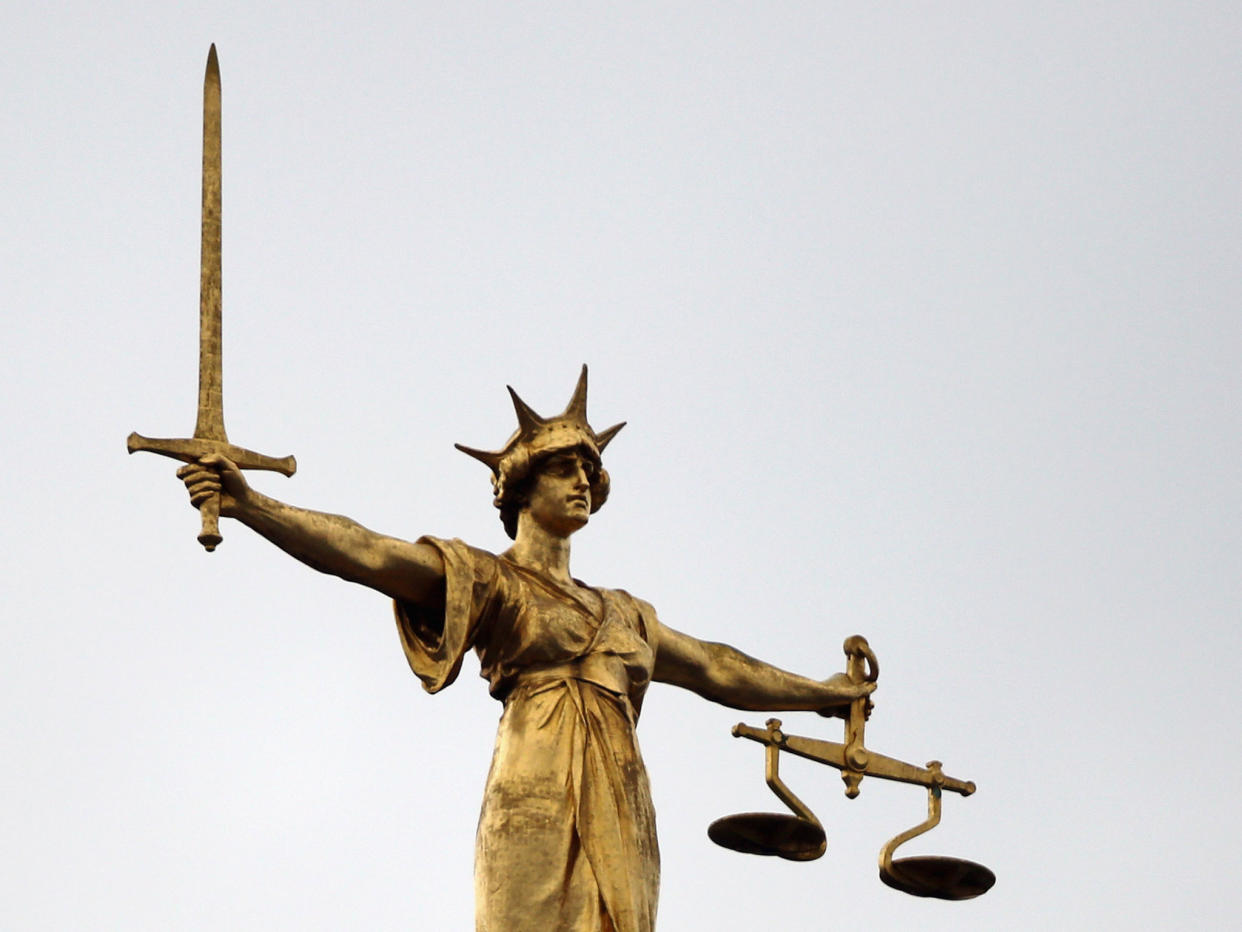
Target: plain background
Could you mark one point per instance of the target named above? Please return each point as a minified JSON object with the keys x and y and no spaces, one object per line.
{"x":925,"y":320}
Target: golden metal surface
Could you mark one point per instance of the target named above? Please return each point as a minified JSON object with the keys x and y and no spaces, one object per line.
{"x":799,"y":837}
{"x":929,"y":875}
{"x":940,"y":877}
{"x":209,"y":434}
{"x":566,"y":836}
{"x":210,"y":425}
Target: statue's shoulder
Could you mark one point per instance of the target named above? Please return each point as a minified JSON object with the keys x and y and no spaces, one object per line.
{"x":631,"y":602}
{"x":457,"y":553}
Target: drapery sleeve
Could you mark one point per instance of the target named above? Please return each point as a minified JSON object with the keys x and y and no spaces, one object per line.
{"x":436,"y":643}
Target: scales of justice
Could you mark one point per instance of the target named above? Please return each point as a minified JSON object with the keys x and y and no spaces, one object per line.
{"x":549,"y":454}
{"x":801,"y":837}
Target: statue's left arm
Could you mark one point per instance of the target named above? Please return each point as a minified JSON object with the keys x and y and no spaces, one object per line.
{"x":724,"y":674}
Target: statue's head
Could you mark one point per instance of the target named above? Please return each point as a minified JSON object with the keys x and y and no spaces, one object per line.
{"x":515,"y":467}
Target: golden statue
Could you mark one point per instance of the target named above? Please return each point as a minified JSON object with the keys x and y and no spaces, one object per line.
{"x":566,"y":835}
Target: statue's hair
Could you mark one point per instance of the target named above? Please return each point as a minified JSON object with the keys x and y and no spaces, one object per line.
{"x":516,"y":478}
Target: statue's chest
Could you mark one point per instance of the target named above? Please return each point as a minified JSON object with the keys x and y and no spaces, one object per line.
{"x":554,"y":624}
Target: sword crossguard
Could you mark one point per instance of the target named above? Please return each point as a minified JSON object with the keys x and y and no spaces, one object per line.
{"x":191,"y":450}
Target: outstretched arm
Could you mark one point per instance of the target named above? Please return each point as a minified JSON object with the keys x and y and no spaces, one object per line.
{"x":724,"y":674}
{"x":329,"y":543}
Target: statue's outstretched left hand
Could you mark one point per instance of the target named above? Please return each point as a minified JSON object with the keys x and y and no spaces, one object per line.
{"x":842,"y":691}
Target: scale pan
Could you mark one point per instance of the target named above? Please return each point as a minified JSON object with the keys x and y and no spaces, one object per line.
{"x":769,"y":833}
{"x":943,"y":878}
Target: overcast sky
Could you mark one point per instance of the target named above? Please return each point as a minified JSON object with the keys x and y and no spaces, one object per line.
{"x":925,"y":321}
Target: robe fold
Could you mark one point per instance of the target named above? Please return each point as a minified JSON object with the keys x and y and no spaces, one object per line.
{"x":566,"y":838}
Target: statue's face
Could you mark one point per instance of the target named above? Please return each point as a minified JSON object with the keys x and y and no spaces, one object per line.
{"x":560,"y":500}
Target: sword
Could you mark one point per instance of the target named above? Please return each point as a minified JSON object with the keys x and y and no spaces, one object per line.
{"x":209,"y":435}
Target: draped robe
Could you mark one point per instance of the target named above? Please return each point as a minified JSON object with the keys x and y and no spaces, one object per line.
{"x":566,"y":838}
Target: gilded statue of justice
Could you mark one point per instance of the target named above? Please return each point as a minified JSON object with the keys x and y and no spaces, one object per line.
{"x":566,"y":835}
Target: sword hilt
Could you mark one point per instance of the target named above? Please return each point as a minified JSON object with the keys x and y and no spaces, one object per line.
{"x":190,"y":450}
{"x":209,"y":511}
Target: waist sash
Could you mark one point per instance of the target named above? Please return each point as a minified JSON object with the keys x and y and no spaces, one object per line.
{"x":606,"y":671}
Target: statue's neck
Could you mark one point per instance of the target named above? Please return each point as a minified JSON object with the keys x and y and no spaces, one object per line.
{"x":538,"y":549}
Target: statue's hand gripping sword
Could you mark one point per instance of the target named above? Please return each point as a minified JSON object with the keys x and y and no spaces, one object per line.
{"x":209,"y":435}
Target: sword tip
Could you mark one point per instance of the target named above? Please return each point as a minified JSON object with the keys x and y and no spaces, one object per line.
{"x":213,"y":63}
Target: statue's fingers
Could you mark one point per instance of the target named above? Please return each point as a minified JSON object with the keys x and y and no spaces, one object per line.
{"x":204,"y":488}
{"x":186,"y":470}
{"x":197,"y":475}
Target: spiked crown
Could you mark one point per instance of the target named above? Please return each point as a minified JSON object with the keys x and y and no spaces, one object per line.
{"x":537,"y":436}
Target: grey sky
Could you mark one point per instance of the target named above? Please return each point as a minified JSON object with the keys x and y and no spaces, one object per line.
{"x":925,"y":323}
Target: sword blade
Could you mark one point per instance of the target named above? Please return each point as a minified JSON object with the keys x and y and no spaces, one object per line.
{"x":209,"y":436}
{"x":210,"y":425}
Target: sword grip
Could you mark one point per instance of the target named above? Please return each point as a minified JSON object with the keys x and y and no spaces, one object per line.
{"x":209,"y":512}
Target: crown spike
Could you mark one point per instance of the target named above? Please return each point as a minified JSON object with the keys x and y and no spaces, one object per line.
{"x":604,"y":437}
{"x":537,"y":435}
{"x":528,"y":420}
{"x":488,"y":459}
{"x":576,"y":408}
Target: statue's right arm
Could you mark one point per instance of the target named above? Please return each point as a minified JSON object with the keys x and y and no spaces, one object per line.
{"x":333,"y":544}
